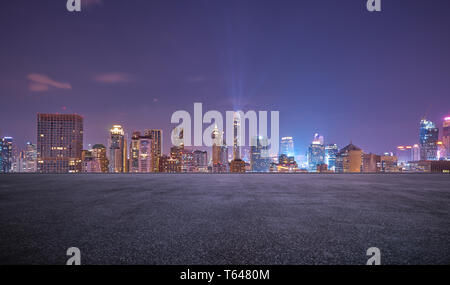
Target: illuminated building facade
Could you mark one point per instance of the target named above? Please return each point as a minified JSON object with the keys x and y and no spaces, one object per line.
{"x":446,"y":137}
{"x":117,"y":150}
{"x":286,"y":164}
{"x":6,"y":155}
{"x":237,"y":165}
{"x":316,"y":153}
{"x":200,"y":159}
{"x":370,"y":163}
{"x":167,"y":164}
{"x":99,"y":155}
{"x":219,"y":152}
{"x":156,"y":136}
{"x":259,"y":156}
{"x":331,"y":151}
{"x":349,"y":159}
{"x":428,"y":138}
{"x":287,"y":146}
{"x":59,"y":143}
{"x":141,"y":153}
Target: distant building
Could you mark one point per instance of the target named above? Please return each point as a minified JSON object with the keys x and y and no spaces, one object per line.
{"x":141,"y":153}
{"x":219,"y":152}
{"x":286,"y":164}
{"x":428,"y":138}
{"x":237,"y":165}
{"x":167,"y":164}
{"x":370,"y":163}
{"x":287,"y":146}
{"x":259,"y":155}
{"x":99,"y":155}
{"x":316,"y":153}
{"x":331,"y":152}
{"x":117,"y":150}
{"x":388,"y":164}
{"x":6,"y":155}
{"x":441,"y":166}
{"x":59,"y":143}
{"x":446,"y":136}
{"x":200,"y":160}
{"x":349,"y":159}
{"x":156,"y":136}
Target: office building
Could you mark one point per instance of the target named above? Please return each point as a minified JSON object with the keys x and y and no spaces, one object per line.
{"x":349,"y":159}
{"x":59,"y":143}
{"x":331,"y":151}
{"x":428,"y":138}
{"x":259,"y":155}
{"x":316,"y":153}
{"x":117,"y":150}
{"x":287,"y":146}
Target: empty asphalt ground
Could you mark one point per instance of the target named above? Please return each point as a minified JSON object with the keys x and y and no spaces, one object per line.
{"x":225,"y":219}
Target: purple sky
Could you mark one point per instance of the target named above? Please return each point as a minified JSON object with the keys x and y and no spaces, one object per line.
{"x":328,"y":66}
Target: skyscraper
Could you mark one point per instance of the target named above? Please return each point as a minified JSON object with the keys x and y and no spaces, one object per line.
{"x":156,"y":136}
{"x":287,"y":146}
{"x":219,"y":152}
{"x":99,"y":155}
{"x":428,"y":138}
{"x":331,"y":151}
{"x":237,"y":165}
{"x":59,"y":143}
{"x":117,"y":150}
{"x":6,"y":154}
{"x":446,"y":136}
{"x":30,"y":163}
{"x":141,"y":153}
{"x":316,"y":153}
{"x":259,"y":156}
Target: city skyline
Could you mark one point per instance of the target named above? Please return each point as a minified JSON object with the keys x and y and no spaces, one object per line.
{"x":324,"y":73}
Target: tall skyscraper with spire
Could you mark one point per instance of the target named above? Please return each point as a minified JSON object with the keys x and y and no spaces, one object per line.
{"x":237,"y":165}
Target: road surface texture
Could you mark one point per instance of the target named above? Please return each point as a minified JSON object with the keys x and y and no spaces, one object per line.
{"x":225,"y":219}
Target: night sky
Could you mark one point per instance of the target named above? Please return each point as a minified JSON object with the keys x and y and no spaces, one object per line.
{"x":328,"y":66}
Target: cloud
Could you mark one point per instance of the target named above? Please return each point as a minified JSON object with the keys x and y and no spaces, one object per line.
{"x":41,"y":83}
{"x":113,"y":77}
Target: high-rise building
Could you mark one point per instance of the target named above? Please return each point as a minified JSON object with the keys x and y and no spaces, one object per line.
{"x":349,"y":159}
{"x":200,"y":159}
{"x":219,"y":152}
{"x":259,"y":156}
{"x":428,"y":138}
{"x":30,"y":159}
{"x":59,"y":143}
{"x":117,"y":150}
{"x":415,"y":152}
{"x":331,"y":151}
{"x":316,"y":153}
{"x":156,"y":136}
{"x":6,"y":155}
{"x":99,"y":155}
{"x":446,"y":136}
{"x":237,"y":165}
{"x":141,"y":153}
{"x":287,"y":146}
